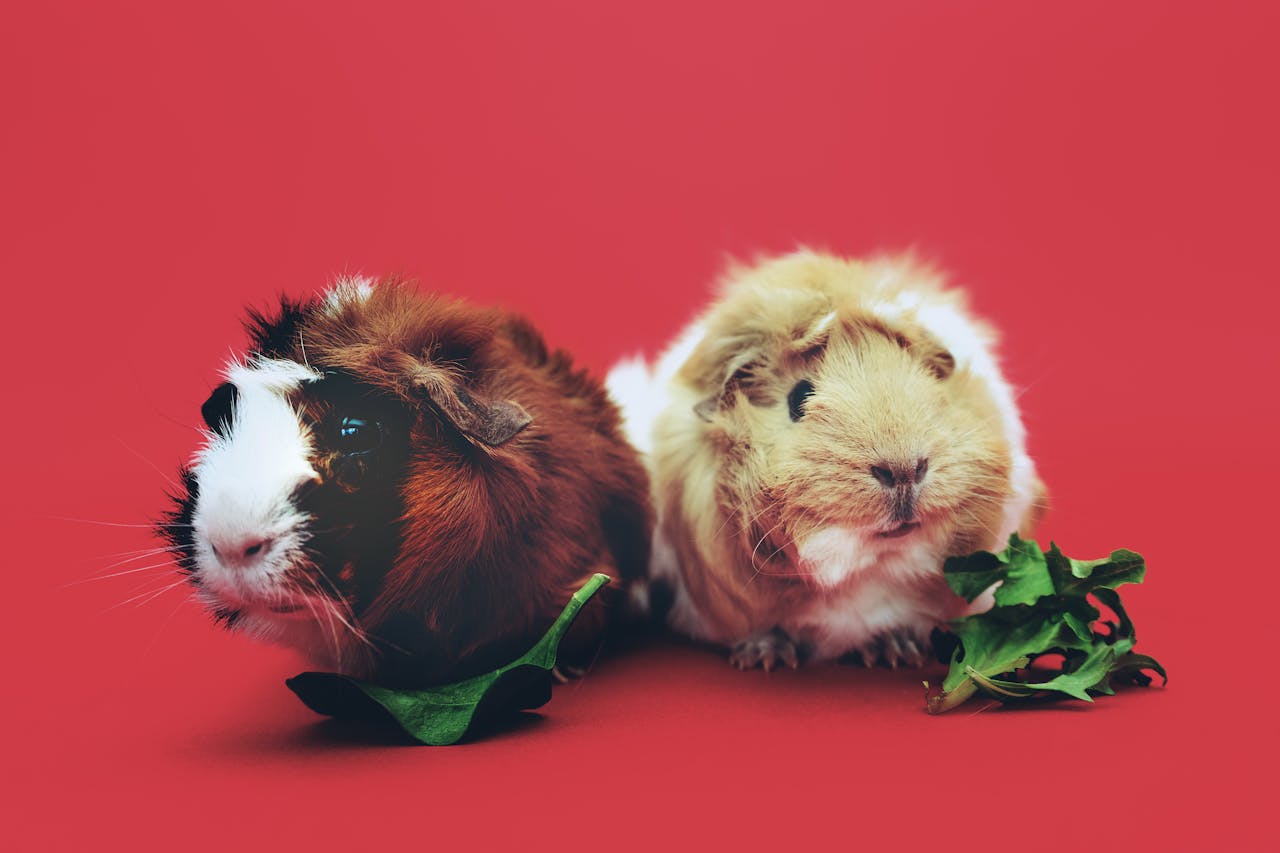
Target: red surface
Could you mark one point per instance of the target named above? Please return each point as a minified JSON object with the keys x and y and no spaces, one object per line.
{"x":1102,"y":175}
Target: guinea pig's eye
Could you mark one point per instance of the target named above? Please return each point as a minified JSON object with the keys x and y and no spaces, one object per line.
{"x":217,"y":410}
{"x":358,"y":436}
{"x":800,"y":394}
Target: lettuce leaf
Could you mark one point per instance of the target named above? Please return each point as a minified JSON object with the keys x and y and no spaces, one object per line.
{"x":444,"y":715}
{"x":1046,"y":635}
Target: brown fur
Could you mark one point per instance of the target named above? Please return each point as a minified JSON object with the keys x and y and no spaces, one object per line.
{"x":518,"y":487}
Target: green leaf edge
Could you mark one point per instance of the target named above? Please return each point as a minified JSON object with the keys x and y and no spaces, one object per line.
{"x":529,"y":686}
{"x":1121,"y":663}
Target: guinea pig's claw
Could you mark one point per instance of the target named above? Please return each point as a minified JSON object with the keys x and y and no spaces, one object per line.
{"x":912,"y":653}
{"x":892,"y":649}
{"x":563,"y":673}
{"x":765,"y":650}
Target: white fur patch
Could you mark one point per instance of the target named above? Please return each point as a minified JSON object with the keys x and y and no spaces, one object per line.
{"x":277,"y":376}
{"x":245,"y":483}
{"x":637,"y":396}
{"x":643,"y":393}
{"x":348,"y":290}
{"x":832,"y":554}
{"x":872,"y":604}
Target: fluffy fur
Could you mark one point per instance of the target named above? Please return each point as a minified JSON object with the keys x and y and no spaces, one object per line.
{"x":824,"y":535}
{"x":486,"y":478}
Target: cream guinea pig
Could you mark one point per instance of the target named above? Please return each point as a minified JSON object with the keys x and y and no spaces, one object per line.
{"x":818,"y":443}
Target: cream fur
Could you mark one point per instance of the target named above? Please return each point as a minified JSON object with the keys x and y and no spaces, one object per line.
{"x":765,"y":523}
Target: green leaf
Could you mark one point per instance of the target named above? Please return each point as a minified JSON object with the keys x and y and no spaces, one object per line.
{"x":1028,"y":577}
{"x":1076,"y":683}
{"x":1078,"y":617}
{"x":1075,"y":577}
{"x":973,"y":575}
{"x":1020,"y":569}
{"x":444,"y":715}
{"x":1122,"y":633}
{"x":1130,"y":669}
{"x":990,"y":645}
{"x":1043,"y":606}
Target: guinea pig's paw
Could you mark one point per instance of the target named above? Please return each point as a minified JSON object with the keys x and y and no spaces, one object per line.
{"x":563,"y":673}
{"x":766,"y":650}
{"x":892,"y":649}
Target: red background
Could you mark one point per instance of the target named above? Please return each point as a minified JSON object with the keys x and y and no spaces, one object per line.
{"x":1102,"y":176}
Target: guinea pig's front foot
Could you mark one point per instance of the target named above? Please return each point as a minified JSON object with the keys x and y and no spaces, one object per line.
{"x":892,"y":649}
{"x":765,"y":650}
{"x":563,"y":673}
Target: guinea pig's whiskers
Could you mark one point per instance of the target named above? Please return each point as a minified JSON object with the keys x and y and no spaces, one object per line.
{"x":165,"y":624}
{"x":735,"y":513}
{"x":134,"y":553}
{"x":767,"y":534}
{"x":153,"y":465}
{"x":791,"y":574}
{"x":974,"y":519}
{"x":985,"y":527}
{"x":330,"y":604}
{"x":341,"y":650}
{"x":339,"y":598}
{"x":751,"y":518}
{"x":147,"y":596}
{"x":354,"y":631}
{"x":111,"y":523}
{"x":133,"y":557}
{"x":167,"y":564}
{"x":323,"y":614}
{"x":153,"y":596}
{"x":325,"y":625}
{"x":142,"y":555}
{"x":779,"y":550}
{"x":1019,"y":391}
{"x":312,"y":574}
{"x":352,"y":623}
{"x":149,"y":581}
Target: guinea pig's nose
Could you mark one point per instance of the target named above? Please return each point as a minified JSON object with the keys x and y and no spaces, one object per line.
{"x":894,"y":474}
{"x":240,"y":553}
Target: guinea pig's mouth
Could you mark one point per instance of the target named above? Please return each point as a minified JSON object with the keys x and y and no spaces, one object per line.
{"x":284,"y":608}
{"x":288,"y":606}
{"x":904,"y":529}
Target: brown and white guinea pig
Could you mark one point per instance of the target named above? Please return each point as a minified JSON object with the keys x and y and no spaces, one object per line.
{"x":407,"y":488}
{"x":818,"y":443}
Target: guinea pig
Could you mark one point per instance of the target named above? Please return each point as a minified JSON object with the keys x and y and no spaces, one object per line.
{"x":407,"y":488}
{"x":819,"y":442}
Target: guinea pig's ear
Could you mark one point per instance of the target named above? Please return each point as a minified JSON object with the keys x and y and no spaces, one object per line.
{"x":739,"y":374}
{"x":809,"y":341}
{"x":941,"y":363}
{"x":745,"y":370}
{"x":491,"y":422}
{"x":936,"y":358}
{"x":740,"y":357}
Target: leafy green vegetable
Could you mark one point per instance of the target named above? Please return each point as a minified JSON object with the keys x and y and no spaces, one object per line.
{"x":443,"y":715}
{"x":1043,"y":611}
